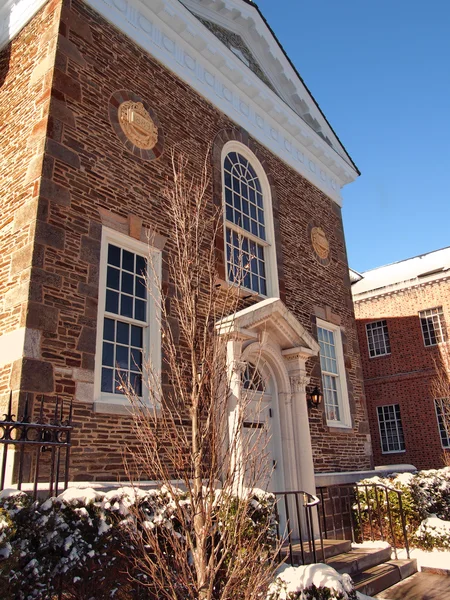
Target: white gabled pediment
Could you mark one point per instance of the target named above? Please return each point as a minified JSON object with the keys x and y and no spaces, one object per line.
{"x":243,"y":18}
{"x":270,"y":317}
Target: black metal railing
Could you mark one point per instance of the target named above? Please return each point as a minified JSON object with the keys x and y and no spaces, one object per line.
{"x":362,"y":512}
{"x":39,"y":445}
{"x":298,"y":529}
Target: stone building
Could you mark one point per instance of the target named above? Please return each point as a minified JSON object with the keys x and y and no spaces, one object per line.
{"x":94,"y":97}
{"x":402,"y":311}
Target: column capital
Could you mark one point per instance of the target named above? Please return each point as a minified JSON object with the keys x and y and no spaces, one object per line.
{"x":299,"y":381}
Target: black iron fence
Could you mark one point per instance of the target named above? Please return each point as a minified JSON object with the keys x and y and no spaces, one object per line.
{"x":41,"y":447}
{"x":357,"y":512}
{"x":364,"y":512}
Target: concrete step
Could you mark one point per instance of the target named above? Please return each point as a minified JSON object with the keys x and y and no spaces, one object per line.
{"x":359,"y":559}
{"x":330,"y":547}
{"x":376,"y":579}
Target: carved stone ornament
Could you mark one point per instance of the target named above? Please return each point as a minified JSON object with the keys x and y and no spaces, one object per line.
{"x":138,"y":125}
{"x":320,"y":243}
{"x":299,"y":383}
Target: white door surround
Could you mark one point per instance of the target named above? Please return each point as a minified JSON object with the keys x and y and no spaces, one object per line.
{"x":268,"y":335}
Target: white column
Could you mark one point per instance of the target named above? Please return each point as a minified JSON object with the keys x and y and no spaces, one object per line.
{"x":235,"y":369}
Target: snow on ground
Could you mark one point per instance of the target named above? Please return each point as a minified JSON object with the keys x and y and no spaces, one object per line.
{"x":437,"y":559}
{"x":376,"y":544}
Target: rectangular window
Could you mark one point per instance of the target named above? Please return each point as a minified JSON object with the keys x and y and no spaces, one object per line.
{"x":391,"y":429}
{"x":442,"y":406}
{"x":378,"y":338}
{"x":433,"y":326}
{"x":333,"y":375}
{"x":127,"y":321}
{"x":124,"y":321}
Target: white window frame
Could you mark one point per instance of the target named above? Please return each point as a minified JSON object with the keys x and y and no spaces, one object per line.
{"x":381,"y":324}
{"x":341,"y":378}
{"x":116,"y":403}
{"x":445,"y":417}
{"x":396,"y":426}
{"x":442,"y":329}
{"x":270,"y":259}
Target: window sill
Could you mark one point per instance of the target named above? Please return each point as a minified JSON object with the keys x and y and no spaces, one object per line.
{"x":240,"y":291}
{"x":394,"y":452}
{"x":339,"y":427}
{"x":380,"y":355}
{"x":114,"y":406}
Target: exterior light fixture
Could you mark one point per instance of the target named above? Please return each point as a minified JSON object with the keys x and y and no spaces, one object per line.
{"x":315,"y":397}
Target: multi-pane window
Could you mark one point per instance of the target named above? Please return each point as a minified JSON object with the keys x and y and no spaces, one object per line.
{"x":330,"y":374}
{"x":391,"y":429}
{"x":124,"y":322}
{"x":442,"y":406}
{"x":433,"y":326}
{"x":378,"y":338}
{"x":245,"y":226}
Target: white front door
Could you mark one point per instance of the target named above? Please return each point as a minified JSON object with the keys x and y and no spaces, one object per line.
{"x":261,"y":430}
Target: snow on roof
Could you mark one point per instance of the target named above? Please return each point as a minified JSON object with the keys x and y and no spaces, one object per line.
{"x":424,"y":267}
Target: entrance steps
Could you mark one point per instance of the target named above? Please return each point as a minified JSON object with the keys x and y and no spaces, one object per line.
{"x":371,"y":569}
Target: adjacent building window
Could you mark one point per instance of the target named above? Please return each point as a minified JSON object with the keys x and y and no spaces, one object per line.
{"x":433,"y":326}
{"x":391,"y":429}
{"x":125,"y":314}
{"x":378,"y":338}
{"x":248,"y":222}
{"x":333,"y":375}
{"x":442,"y":406}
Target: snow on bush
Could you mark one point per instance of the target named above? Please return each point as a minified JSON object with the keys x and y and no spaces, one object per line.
{"x":425,"y":500}
{"x":84,"y":539}
{"x":433,"y":533}
{"x":311,"y":582}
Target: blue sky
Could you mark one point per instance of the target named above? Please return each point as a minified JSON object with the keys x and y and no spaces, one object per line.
{"x":380,"y":70}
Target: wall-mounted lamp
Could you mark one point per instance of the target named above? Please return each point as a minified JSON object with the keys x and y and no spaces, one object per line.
{"x":314,"y":397}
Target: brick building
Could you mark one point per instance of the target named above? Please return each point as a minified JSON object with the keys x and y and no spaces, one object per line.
{"x":94,"y":97}
{"x":402,"y":312}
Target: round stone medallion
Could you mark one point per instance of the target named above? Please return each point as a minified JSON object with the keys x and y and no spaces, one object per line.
{"x":320,"y":244}
{"x":136,"y":125}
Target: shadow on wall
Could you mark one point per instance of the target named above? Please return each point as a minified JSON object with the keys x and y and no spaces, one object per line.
{"x":5,"y":51}
{"x":406,"y":362}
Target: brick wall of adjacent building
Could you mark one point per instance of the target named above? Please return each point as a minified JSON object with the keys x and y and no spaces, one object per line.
{"x":88,"y":171}
{"x":406,"y":375}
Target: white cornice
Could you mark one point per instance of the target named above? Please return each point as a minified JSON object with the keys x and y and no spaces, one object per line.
{"x":14,"y":14}
{"x":173,"y":35}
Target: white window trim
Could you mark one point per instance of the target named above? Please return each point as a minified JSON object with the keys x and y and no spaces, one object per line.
{"x":446,"y":421}
{"x":379,"y":430}
{"x":384,"y":340}
{"x":270,"y":258}
{"x":342,"y":390}
{"x":442,"y":329}
{"x":115,"y":403}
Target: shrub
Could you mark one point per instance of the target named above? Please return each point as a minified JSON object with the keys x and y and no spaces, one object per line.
{"x":425,"y":494}
{"x":311,"y":582}
{"x":84,"y":540}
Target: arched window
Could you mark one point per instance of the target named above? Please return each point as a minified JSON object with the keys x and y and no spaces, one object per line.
{"x":248,"y":222}
{"x":252,"y":379}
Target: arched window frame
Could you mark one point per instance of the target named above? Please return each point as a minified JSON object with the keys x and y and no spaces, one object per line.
{"x":270,"y":260}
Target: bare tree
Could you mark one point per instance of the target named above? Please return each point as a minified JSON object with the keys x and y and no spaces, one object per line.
{"x":186,"y":437}
{"x":440,"y":389}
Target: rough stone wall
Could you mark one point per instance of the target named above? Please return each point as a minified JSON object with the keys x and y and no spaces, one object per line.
{"x":89,"y":175}
{"x":26,"y":70}
{"x":405,"y":375}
